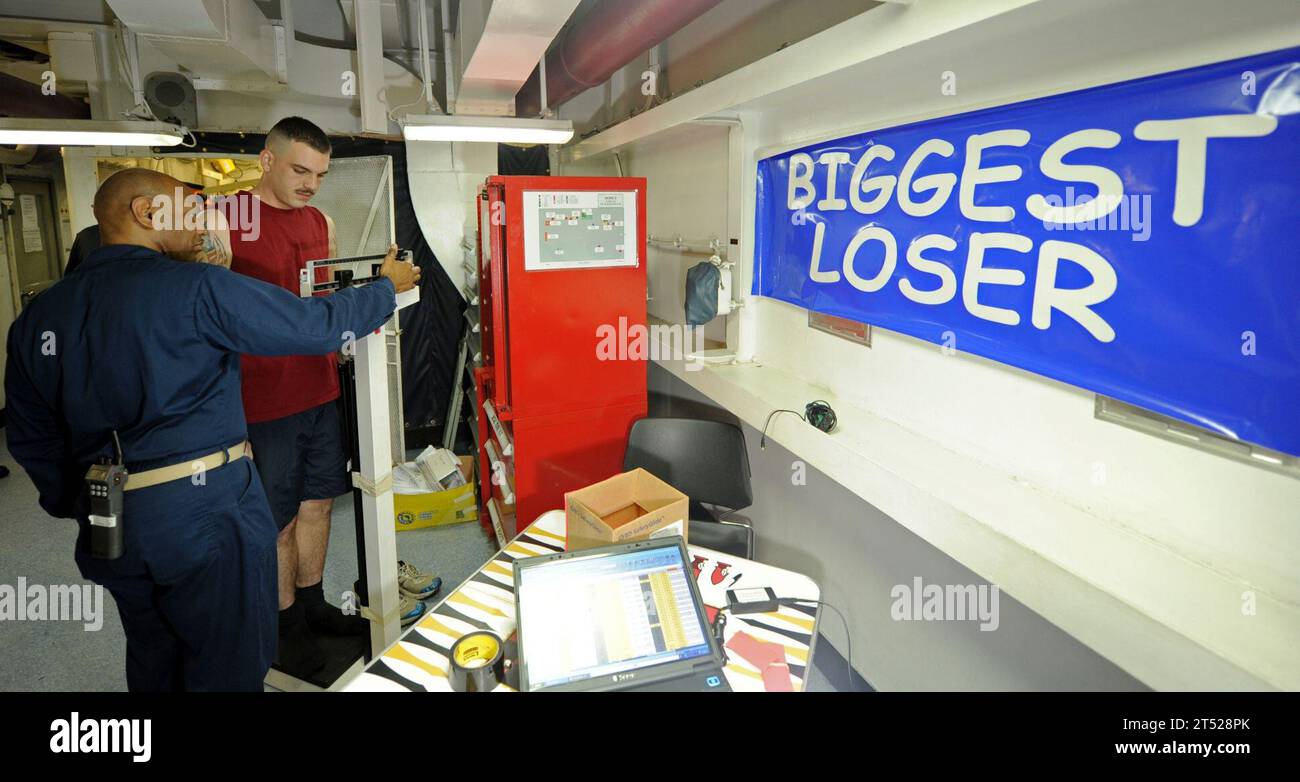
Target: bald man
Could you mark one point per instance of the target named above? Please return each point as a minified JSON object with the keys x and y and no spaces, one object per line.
{"x":143,"y":350}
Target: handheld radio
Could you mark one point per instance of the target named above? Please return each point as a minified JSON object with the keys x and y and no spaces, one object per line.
{"x":105,"y":482}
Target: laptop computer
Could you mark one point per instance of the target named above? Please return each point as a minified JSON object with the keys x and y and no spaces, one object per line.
{"x":623,"y":617}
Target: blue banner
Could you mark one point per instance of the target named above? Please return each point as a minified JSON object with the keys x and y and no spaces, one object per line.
{"x":1140,"y":240}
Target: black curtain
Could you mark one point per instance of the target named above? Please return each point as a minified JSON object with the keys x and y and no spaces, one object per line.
{"x":523,"y":161}
{"x":430,"y":329}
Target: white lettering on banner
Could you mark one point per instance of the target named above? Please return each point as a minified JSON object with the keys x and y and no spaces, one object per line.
{"x":941,"y":184}
{"x":1074,"y":302}
{"x":882,"y":185}
{"x":972,"y":174}
{"x":871,"y":191}
{"x":832,"y":161}
{"x":1110,"y":189}
{"x":977,"y":274}
{"x":947,"y":280}
{"x":801,"y":182}
{"x":864,"y":235}
{"x":1192,"y":135}
{"x":815,"y":274}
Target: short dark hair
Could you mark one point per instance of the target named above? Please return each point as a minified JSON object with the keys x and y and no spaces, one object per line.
{"x":299,"y":129}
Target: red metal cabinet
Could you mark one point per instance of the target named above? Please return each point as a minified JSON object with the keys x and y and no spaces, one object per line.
{"x":555,"y":279}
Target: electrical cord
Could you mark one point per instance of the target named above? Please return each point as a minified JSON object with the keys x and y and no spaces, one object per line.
{"x":848,"y":637}
{"x":817,"y":412}
{"x":720,"y":624}
{"x":129,"y":66}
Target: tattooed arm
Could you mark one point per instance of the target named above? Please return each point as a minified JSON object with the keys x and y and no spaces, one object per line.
{"x":211,"y":242}
{"x":214,"y":248}
{"x":214,"y":243}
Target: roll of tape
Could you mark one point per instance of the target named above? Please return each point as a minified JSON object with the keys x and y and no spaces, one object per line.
{"x":477,"y":662}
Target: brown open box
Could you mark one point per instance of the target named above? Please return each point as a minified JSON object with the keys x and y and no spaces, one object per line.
{"x":633,"y":505}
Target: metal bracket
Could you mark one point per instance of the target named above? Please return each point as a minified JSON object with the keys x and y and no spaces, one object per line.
{"x":1183,"y":433}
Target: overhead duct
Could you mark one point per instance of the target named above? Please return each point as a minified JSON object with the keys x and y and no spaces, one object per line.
{"x":228,"y":51}
{"x":501,"y":43}
{"x":231,"y":39}
{"x":609,"y":36}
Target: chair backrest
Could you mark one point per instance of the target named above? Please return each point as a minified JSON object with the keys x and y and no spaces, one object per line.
{"x":705,"y":460}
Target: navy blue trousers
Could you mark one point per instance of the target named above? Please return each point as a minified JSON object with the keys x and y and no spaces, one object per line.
{"x":196,"y":586}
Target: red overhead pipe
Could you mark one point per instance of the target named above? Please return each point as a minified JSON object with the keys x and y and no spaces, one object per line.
{"x":610,"y":35}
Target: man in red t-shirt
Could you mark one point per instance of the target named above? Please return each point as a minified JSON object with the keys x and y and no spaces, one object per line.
{"x":290,"y":402}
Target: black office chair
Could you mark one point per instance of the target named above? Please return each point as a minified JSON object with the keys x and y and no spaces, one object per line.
{"x":706,"y":461}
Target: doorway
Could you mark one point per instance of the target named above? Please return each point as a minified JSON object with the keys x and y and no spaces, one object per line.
{"x":37,"y":249}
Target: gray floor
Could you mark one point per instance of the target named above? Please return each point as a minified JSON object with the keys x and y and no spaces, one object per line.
{"x":65,"y":656}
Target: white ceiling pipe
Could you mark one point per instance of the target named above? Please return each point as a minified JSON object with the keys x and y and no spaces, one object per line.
{"x":424,"y":54}
{"x":447,"y":67}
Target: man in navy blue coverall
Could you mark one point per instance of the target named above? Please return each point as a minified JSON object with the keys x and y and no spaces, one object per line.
{"x":148,"y":347}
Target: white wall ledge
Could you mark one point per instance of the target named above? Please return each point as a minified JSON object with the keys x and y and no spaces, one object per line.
{"x":1146,"y":613}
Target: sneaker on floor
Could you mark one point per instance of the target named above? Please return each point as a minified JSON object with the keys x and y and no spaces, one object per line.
{"x":325,"y":618}
{"x":411,"y":611}
{"x":415,"y":583}
{"x":299,"y":653}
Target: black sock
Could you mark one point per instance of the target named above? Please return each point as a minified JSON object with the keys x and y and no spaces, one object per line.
{"x":322,"y":617}
{"x":310,"y":596}
{"x":298,"y":652}
{"x":292,"y":616}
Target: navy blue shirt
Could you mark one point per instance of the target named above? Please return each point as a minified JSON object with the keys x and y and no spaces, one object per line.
{"x":147,"y":346}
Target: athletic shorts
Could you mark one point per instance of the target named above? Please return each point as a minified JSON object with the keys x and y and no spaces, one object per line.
{"x":300,"y":457}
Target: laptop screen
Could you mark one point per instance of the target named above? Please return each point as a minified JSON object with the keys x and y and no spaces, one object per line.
{"x":601,"y":615}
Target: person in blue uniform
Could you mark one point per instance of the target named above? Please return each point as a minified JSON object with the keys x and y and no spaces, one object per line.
{"x":146,"y":347}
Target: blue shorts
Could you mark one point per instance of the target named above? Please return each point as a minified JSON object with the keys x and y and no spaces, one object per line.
{"x":300,"y":457}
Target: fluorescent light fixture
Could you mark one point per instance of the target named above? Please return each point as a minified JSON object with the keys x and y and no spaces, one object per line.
{"x":509,"y":130}
{"x":89,"y":133}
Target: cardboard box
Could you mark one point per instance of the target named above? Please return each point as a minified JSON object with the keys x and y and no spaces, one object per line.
{"x":438,"y":508}
{"x":630,"y":506}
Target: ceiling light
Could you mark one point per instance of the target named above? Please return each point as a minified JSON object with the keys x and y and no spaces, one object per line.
{"x":509,"y":130}
{"x":87,"y":132}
